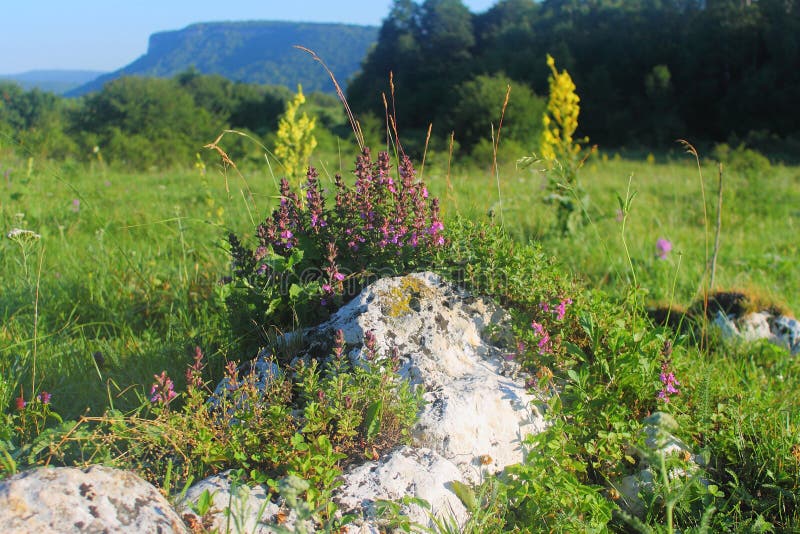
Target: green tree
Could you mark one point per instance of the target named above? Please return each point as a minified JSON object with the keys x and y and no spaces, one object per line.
{"x":396,"y":51}
{"x":479,"y":105}
{"x":145,"y":122}
{"x":35,"y":120}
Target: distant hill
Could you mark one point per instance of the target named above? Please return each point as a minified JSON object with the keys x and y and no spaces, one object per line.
{"x":55,"y":81}
{"x":252,"y":52}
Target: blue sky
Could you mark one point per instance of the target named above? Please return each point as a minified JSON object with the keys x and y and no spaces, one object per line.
{"x":108,"y":34}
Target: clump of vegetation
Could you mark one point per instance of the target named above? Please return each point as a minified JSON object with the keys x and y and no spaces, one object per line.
{"x":315,"y":254}
{"x":747,"y":162}
{"x":306,"y":421}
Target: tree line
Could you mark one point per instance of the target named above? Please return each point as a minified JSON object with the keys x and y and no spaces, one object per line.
{"x":142,"y":122}
{"x":647,"y":71}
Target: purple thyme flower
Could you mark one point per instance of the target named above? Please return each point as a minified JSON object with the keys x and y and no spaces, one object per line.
{"x":544,"y":338}
{"x":163,"y":389}
{"x":561,"y":309}
{"x":667,"y":377}
{"x":194,"y":373}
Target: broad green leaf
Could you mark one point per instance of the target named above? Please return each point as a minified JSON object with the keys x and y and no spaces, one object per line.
{"x":373,"y":419}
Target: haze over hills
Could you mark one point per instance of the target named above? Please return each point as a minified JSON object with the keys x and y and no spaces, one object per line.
{"x":56,"y":81}
{"x":252,"y":52}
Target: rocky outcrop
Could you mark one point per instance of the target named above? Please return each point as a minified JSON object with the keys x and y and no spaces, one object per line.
{"x":451,"y":345}
{"x":95,"y":499}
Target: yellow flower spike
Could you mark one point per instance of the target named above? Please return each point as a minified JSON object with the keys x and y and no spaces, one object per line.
{"x":561,"y":117}
{"x":295,"y":139}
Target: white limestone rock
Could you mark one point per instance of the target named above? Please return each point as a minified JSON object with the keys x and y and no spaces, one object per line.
{"x":408,"y":471}
{"x":786,"y":331}
{"x":658,"y":439}
{"x":94,"y":499}
{"x":477,"y":413}
{"x":778,"y":329}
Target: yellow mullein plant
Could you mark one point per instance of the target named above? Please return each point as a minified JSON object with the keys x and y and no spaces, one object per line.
{"x":295,"y":139}
{"x":561,"y":118}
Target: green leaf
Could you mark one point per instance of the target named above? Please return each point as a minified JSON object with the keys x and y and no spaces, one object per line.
{"x":575,"y":350}
{"x":373,"y":419}
{"x":295,"y":291}
{"x":295,"y":258}
{"x":574,"y":376}
{"x":465,"y":494}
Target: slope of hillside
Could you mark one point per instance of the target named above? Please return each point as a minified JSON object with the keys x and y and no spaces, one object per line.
{"x":253,"y":52}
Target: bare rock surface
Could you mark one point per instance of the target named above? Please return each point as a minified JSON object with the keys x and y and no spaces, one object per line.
{"x":94,"y":499}
{"x":408,"y":471}
{"x":476,"y":413}
{"x":781,"y":330}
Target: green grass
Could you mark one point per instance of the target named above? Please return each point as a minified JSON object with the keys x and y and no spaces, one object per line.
{"x":757,"y":247}
{"x":132,"y":272}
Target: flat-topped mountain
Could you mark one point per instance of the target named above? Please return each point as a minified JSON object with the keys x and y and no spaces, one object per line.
{"x":252,"y":52}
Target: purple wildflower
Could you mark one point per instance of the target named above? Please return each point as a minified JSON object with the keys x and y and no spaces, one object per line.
{"x":663,"y":247}
{"x":76,"y":205}
{"x":667,"y":377}
{"x":544,"y":338}
{"x":194,"y":373}
{"x":338,"y":343}
{"x":44,"y":397}
{"x":163,"y":389}
{"x":561,"y":309}
{"x":20,"y":403}
{"x":370,"y":345}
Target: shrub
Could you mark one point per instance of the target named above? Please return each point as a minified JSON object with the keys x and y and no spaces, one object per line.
{"x":480,"y":103}
{"x":750,"y":163}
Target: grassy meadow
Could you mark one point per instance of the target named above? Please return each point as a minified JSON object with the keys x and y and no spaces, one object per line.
{"x":125,"y":281}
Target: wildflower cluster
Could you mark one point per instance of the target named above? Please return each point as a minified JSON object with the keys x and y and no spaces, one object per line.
{"x":667,"y":376}
{"x":544,"y":342}
{"x":381,"y":225}
{"x":561,"y":151}
{"x":560,"y":309}
{"x":30,"y":418}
